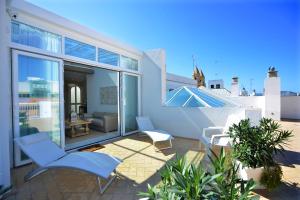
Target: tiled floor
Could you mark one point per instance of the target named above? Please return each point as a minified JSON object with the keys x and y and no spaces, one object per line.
{"x":140,"y":166}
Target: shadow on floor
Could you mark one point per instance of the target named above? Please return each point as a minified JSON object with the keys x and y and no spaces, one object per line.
{"x":286,"y":191}
{"x":288,"y":158}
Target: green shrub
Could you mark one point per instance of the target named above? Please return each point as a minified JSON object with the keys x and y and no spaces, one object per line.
{"x":255,"y":146}
{"x":184,"y":181}
{"x":271,"y":177}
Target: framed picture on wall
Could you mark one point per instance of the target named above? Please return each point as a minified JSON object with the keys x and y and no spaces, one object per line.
{"x":109,"y":95}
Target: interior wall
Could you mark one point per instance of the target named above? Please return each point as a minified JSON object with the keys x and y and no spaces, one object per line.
{"x":101,"y":78}
{"x":179,"y":121}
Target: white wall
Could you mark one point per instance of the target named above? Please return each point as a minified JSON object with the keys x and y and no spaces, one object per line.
{"x":174,"y":81}
{"x":290,"y":107}
{"x":179,"y":121}
{"x":101,"y":78}
{"x":5,"y":101}
{"x":250,"y":102}
{"x":272,"y":98}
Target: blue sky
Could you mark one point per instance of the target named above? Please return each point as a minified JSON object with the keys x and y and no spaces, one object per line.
{"x":228,"y":38}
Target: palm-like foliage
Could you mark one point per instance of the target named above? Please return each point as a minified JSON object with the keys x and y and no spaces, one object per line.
{"x":183,"y":181}
{"x":255,"y":146}
{"x":228,"y":185}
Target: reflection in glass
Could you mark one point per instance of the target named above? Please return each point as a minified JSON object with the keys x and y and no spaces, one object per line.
{"x":108,"y":57}
{"x":35,"y":37}
{"x":80,"y":49}
{"x":38,"y":89}
{"x":130,"y":102}
{"x":129,"y":63}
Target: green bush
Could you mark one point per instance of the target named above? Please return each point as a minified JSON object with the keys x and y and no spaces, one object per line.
{"x":255,"y":146}
{"x":184,"y":181}
{"x":271,"y":177}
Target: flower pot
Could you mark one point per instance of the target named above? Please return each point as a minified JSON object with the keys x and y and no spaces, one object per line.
{"x":247,"y":173}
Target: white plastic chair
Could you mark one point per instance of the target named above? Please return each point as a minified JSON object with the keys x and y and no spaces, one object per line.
{"x":218,"y":135}
{"x":47,"y":155}
{"x":145,"y":126}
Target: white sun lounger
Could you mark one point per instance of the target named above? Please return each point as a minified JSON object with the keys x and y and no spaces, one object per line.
{"x":145,"y":126}
{"x":46,"y":154}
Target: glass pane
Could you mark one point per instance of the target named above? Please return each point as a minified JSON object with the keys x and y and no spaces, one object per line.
{"x":108,"y":57}
{"x":80,"y":49}
{"x":73,"y":100}
{"x":180,"y":98}
{"x":38,"y":89}
{"x":129,"y":63}
{"x":213,"y":102}
{"x":35,"y":37}
{"x":78,"y":95}
{"x":193,"y":102}
{"x":130,"y":102}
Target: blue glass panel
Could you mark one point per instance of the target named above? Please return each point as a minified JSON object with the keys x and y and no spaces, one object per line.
{"x":108,"y":57}
{"x":35,"y":37}
{"x":180,"y":98}
{"x":193,"y":102}
{"x":213,"y":102}
{"x":170,"y":94}
{"x":80,"y":49}
{"x":129,"y":63}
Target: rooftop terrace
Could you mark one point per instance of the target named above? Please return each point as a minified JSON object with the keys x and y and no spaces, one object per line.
{"x":140,"y":167}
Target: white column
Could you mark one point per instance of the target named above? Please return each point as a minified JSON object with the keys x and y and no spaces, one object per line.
{"x":5,"y":101}
{"x":272,"y":98}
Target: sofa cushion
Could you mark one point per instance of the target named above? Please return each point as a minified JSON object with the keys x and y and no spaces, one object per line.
{"x":97,"y":122}
{"x":98,"y":114}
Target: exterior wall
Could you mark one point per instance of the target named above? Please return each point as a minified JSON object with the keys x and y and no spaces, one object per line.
{"x":272,"y":98}
{"x":250,"y":102}
{"x":179,"y":121}
{"x":290,"y":107}
{"x":5,"y":104}
{"x":35,"y":16}
{"x":175,"y":81}
{"x":214,"y":83}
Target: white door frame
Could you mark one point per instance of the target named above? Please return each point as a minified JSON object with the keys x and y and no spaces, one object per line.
{"x":15,"y":99}
{"x":121,"y":101}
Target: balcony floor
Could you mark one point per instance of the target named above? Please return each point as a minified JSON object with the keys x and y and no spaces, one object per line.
{"x":140,"y":166}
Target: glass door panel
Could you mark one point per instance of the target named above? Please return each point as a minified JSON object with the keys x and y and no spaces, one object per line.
{"x":130,"y":102}
{"x":37,"y":98}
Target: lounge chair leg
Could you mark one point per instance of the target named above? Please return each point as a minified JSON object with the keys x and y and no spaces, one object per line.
{"x":103,"y":188}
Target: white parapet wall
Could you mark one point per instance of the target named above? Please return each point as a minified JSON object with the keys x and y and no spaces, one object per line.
{"x":179,"y":121}
{"x":290,"y":107}
{"x":250,"y":102}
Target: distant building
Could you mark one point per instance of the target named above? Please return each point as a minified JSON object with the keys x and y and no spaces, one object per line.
{"x":199,"y":77}
{"x":176,"y":81}
{"x":216,"y":84}
{"x":288,"y":93}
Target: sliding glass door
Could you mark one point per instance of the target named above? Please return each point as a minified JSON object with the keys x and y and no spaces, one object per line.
{"x":37,"y":98}
{"x":130,"y":102}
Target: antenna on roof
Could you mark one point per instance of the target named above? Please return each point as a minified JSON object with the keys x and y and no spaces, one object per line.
{"x":193,"y":57}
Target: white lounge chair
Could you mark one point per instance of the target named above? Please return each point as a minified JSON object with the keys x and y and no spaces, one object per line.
{"x":145,"y":126}
{"x":218,"y":135}
{"x":47,"y":155}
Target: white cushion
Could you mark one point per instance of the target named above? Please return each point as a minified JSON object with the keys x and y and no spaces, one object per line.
{"x":34,"y":138}
{"x":144,"y":124}
{"x":40,"y":148}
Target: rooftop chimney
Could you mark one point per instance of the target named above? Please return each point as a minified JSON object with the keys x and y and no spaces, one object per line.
{"x":235,"y":86}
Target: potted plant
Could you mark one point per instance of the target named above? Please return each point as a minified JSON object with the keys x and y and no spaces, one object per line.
{"x":181,"y":180}
{"x":255,"y":147}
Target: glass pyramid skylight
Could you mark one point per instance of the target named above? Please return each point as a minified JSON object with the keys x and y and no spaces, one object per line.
{"x":192,"y":97}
